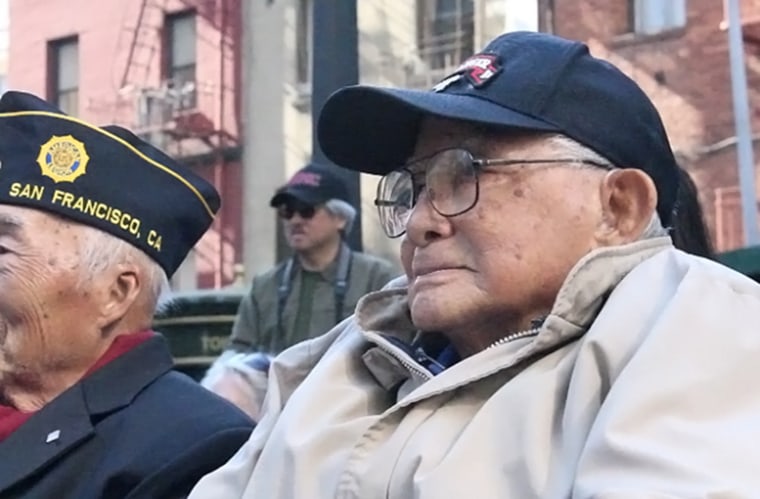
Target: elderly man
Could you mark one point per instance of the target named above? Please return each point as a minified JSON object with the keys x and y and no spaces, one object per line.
{"x":89,"y":406}
{"x":550,"y":342}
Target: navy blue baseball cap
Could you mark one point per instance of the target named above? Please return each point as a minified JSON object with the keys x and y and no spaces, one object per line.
{"x":521,"y":80}
{"x":313,"y":184}
{"x":104,"y":177}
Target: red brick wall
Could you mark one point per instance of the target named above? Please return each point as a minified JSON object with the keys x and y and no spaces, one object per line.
{"x":687,"y":74}
{"x":106,"y":29}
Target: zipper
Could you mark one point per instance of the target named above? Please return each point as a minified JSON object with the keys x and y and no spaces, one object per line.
{"x":406,"y":359}
{"x":411,"y":367}
{"x":515,"y":336}
{"x":391,"y":350}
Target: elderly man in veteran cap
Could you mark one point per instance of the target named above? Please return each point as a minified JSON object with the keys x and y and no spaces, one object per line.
{"x":549,"y":341}
{"x":92,"y":221}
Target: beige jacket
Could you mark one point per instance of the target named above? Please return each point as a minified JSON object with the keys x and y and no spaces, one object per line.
{"x":642,"y":383}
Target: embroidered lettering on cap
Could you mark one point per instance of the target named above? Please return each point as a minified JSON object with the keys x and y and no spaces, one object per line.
{"x":478,"y":69}
{"x":306,"y":178}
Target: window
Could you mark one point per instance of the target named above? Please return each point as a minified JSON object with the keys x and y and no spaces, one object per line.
{"x":303,"y":43}
{"x":654,"y":16}
{"x":63,"y":74}
{"x":180,"y":57}
{"x":445,"y":34}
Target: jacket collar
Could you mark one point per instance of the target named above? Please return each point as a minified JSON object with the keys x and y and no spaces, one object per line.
{"x":69,"y":419}
{"x":582,"y":295}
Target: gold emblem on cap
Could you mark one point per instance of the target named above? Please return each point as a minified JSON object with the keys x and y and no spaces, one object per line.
{"x":64,"y":159}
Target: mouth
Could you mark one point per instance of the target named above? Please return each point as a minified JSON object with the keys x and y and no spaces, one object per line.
{"x":429,"y":271}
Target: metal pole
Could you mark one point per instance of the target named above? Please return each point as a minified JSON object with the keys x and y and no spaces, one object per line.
{"x":335,"y":63}
{"x":742,"y":123}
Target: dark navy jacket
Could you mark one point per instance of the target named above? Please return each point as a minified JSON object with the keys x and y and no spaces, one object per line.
{"x":132,"y":429}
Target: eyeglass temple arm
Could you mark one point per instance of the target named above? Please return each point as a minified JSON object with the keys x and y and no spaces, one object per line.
{"x":383,"y":202}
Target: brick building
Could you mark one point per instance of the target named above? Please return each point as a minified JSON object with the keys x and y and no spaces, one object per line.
{"x":680,"y":56}
{"x":168,"y":69}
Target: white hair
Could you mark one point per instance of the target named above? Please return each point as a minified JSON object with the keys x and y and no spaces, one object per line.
{"x":577,"y":151}
{"x":101,"y":250}
{"x":344,"y":210}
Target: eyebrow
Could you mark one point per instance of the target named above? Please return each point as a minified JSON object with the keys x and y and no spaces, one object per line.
{"x":10,"y":225}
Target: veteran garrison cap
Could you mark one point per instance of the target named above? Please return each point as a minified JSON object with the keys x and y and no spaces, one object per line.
{"x":104,"y":177}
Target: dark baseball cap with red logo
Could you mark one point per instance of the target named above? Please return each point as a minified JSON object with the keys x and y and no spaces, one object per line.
{"x":314,"y":184}
{"x":521,"y":80}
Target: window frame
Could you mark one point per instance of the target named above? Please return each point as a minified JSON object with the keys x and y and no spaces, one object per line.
{"x":640,"y":22}
{"x":65,"y":98}
{"x":170,"y":71}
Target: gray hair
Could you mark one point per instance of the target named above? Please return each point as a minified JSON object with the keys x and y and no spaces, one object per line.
{"x":101,"y":250}
{"x":575,"y":150}
{"x":344,"y":210}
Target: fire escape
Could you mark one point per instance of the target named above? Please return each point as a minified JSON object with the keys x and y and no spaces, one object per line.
{"x":189,"y":108}
{"x":184,"y":118}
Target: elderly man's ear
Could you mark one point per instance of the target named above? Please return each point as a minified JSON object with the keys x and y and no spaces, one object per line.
{"x":123,"y":288}
{"x":628,"y":200}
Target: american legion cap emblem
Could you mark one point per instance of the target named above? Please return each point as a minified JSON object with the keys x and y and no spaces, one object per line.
{"x":63,"y":158}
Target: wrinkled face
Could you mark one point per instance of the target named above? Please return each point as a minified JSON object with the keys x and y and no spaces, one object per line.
{"x":493,"y":269}
{"x":309,"y":227}
{"x":44,"y":312}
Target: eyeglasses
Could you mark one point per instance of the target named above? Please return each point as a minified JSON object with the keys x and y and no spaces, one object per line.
{"x":449,"y":179}
{"x":288,"y":210}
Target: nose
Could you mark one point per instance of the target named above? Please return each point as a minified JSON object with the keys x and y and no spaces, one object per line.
{"x":425,"y":225}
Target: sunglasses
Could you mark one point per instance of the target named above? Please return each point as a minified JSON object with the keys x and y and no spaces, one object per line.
{"x":288,"y":210}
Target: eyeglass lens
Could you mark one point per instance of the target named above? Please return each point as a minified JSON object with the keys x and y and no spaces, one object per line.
{"x":450,"y":184}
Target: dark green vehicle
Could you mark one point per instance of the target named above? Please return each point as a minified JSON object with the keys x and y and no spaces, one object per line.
{"x":197,"y":325}
{"x":745,"y":260}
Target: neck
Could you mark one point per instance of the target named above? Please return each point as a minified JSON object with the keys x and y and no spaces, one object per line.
{"x":468,"y":341}
{"x":319,"y":258}
{"x":31,"y":390}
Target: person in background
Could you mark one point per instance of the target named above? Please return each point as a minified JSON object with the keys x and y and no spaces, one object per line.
{"x":549,"y":341}
{"x":89,"y":404}
{"x":306,"y":294}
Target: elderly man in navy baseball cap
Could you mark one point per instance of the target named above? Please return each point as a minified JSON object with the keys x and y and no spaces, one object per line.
{"x":92,"y":222}
{"x":548,"y":340}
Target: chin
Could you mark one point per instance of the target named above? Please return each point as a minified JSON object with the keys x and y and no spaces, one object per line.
{"x":432,"y":312}
{"x":300,"y":245}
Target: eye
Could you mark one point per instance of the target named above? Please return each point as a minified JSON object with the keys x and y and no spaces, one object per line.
{"x":4,"y":249}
